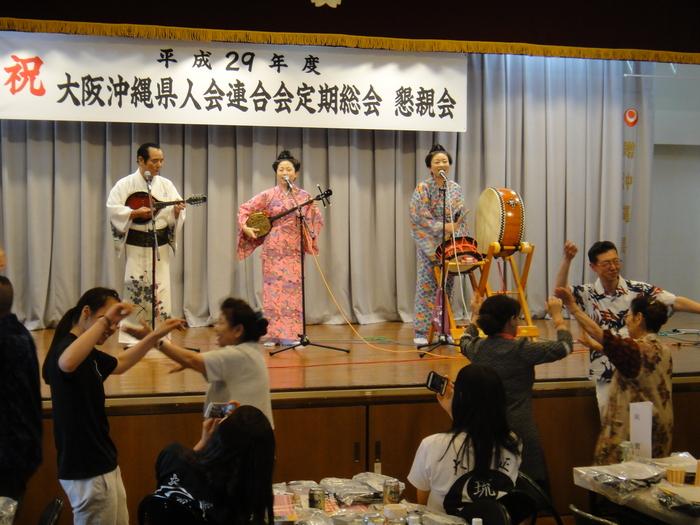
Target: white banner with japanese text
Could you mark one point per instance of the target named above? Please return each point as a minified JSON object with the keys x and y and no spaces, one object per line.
{"x":50,"y":76}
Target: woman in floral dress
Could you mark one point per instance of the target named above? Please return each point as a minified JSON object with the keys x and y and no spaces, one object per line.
{"x":282,"y":287}
{"x":643,"y":371}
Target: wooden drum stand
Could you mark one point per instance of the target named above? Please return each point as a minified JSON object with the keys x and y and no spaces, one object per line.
{"x":495,"y":249}
{"x":500,"y":222}
{"x":482,"y":286}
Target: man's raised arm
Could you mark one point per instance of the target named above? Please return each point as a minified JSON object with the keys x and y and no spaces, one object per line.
{"x":570,"y":251}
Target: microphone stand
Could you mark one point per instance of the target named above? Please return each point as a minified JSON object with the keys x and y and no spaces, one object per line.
{"x":303,"y":223}
{"x":156,"y":252}
{"x":442,"y":338}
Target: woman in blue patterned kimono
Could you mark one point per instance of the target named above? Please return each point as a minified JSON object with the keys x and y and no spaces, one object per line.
{"x":426,"y":214}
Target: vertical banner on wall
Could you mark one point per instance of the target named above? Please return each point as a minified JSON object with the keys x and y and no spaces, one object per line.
{"x":631,"y":119}
{"x":637,"y":152}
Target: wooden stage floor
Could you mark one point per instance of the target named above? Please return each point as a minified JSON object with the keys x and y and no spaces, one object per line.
{"x":386,"y":359}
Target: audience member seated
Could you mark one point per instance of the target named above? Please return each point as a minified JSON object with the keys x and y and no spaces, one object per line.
{"x":227,"y":476}
{"x":479,"y":457}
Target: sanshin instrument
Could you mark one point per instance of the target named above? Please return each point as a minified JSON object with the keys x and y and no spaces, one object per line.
{"x":263,"y":222}
{"x":139,"y":199}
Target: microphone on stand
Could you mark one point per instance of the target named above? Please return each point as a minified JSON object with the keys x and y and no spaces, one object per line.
{"x":289,"y":182}
{"x":442,"y":174}
{"x":147,"y":174}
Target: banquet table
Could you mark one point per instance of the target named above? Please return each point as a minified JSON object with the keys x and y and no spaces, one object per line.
{"x":643,"y":500}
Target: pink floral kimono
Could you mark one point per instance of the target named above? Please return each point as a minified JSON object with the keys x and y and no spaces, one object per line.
{"x":282,"y":292}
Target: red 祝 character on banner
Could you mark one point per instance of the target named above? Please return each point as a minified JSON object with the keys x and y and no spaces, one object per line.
{"x":25,"y":71}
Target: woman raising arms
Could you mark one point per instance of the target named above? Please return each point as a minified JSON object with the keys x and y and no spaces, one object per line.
{"x":76,"y":371}
{"x":643,"y":371}
{"x":514,"y":359}
{"x":237,"y":369}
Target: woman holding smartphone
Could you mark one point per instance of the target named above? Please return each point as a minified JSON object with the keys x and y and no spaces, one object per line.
{"x":227,"y":476}
{"x":478,"y":458}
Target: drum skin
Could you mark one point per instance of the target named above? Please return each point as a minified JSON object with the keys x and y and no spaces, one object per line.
{"x":500,"y":217}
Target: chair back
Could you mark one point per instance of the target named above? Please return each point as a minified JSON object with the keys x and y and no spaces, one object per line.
{"x":583,"y":518}
{"x":490,"y":511}
{"x":52,"y":512}
{"x":543,"y":502}
{"x":155,"y":509}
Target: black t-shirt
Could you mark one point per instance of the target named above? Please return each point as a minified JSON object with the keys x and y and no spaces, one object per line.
{"x":81,"y":428}
{"x":180,"y":477}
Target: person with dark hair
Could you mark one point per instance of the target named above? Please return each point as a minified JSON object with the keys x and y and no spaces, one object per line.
{"x":237,"y":370}
{"x":130,"y":218}
{"x":227,"y":477}
{"x":75,"y":370}
{"x":281,"y":257}
{"x":20,"y":401}
{"x":479,"y":457}
{"x":426,"y":215}
{"x":643,"y":372}
{"x":607,"y":302}
{"x":514,"y":359}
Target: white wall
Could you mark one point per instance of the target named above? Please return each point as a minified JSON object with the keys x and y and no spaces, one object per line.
{"x":675,"y":215}
{"x":677,"y":104}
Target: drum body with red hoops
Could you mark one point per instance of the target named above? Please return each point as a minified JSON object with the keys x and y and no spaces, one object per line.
{"x":500,"y":217}
{"x":460,"y":250}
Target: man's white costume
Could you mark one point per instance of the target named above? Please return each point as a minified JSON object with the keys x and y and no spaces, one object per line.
{"x":137,"y":241}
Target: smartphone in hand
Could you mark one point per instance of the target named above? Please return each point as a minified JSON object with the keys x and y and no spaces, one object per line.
{"x":436,"y":383}
{"x":219,"y":410}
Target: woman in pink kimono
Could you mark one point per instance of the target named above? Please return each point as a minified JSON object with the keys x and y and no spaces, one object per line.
{"x":282,"y":290}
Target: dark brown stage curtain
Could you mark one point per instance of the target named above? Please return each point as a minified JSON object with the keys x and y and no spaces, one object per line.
{"x":617,"y":29}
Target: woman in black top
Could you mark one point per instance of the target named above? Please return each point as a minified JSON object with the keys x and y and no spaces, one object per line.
{"x":75,"y":371}
{"x":514,"y":359}
{"x":228,"y":475}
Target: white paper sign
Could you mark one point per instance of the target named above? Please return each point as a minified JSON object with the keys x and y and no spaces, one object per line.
{"x":640,"y":428}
